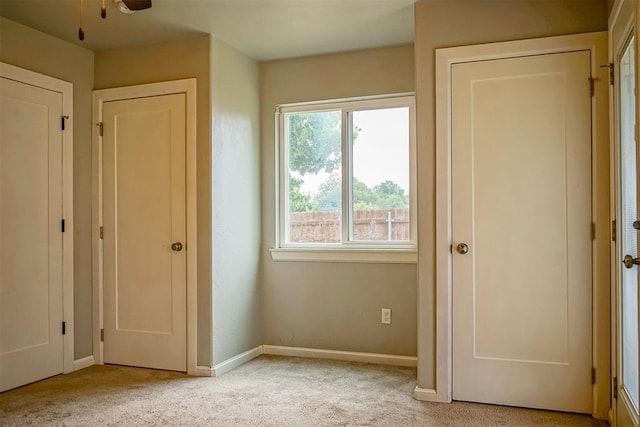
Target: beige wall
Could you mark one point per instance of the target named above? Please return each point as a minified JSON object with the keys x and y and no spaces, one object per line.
{"x":464,"y":22}
{"x":237,"y":314}
{"x":172,"y":61}
{"x":332,"y":306}
{"x":27,"y":48}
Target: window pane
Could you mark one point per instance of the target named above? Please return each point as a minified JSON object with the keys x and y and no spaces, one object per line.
{"x":314,"y":181}
{"x":629,"y":235}
{"x":380,"y":184}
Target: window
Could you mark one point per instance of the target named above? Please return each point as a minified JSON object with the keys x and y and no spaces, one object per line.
{"x":347,"y":174}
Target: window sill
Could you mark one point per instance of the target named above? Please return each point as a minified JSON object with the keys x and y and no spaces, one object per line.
{"x":374,"y":256}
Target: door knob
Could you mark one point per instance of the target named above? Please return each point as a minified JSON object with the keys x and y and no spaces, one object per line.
{"x":177,"y":246}
{"x":630,"y":261}
{"x":462,"y":248}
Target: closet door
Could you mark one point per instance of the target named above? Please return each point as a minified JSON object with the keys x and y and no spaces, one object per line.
{"x":31,"y":282}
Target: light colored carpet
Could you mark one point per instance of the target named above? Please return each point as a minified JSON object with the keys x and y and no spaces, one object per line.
{"x":268,"y":391}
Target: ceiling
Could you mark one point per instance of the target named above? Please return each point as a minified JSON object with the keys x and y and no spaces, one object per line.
{"x":261,"y":29}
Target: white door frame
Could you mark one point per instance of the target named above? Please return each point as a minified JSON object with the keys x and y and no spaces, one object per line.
{"x":188,"y":87}
{"x":596,"y":43}
{"x":619,"y":23}
{"x":66,"y":89}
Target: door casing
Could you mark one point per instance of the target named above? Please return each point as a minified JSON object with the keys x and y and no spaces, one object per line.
{"x":66,"y":89}
{"x":596,"y":44}
{"x":188,"y":87}
{"x":622,"y":23}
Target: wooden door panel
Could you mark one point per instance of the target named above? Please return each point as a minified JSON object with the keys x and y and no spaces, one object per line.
{"x":144,"y":213}
{"x":31,"y":344}
{"x":521,"y":177}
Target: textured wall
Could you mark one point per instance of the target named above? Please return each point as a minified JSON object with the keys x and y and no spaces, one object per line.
{"x":237,"y":314}
{"x":333,"y":306}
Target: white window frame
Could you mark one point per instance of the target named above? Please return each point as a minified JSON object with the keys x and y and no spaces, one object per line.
{"x":347,"y":250}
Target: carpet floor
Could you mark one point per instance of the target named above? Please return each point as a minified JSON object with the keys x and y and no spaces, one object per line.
{"x":268,"y":391}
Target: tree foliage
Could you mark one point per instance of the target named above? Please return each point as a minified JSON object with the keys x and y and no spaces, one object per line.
{"x":314,"y":142}
{"x":299,"y":201}
{"x":315,"y":146}
{"x":389,"y":188}
{"x":329,"y":197}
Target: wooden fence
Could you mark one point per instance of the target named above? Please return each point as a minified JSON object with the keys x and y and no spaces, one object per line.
{"x":368,"y":224}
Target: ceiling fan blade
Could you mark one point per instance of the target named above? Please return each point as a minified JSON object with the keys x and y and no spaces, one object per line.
{"x":137,"y":4}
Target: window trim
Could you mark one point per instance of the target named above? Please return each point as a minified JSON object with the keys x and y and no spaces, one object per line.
{"x":345,"y":251}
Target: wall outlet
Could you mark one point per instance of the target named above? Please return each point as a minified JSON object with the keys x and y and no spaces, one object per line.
{"x":386,"y":316}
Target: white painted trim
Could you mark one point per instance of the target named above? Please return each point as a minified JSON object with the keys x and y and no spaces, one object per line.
{"x":234,"y":362}
{"x":626,"y":401}
{"x":426,"y":395}
{"x":346,"y":106}
{"x":612,"y":417}
{"x":85,"y":362}
{"x":66,"y":89}
{"x":622,"y":23}
{"x":188,"y":87}
{"x":204,"y":371}
{"x":349,"y":356}
{"x":445,"y":58}
{"x":96,"y":222}
{"x":386,"y":256}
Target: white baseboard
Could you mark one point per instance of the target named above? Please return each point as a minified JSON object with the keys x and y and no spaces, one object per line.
{"x":234,"y":362}
{"x":349,"y":356}
{"x":204,"y":371}
{"x":85,"y":362}
{"x":429,"y":395}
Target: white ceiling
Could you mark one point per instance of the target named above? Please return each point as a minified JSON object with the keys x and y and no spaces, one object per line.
{"x":262,"y":29}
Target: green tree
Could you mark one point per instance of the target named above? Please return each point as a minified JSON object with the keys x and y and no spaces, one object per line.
{"x":315,"y":145}
{"x":329,"y":197}
{"x":299,"y":201}
{"x":387,"y":195}
{"x":389,"y":187}
{"x":314,"y":142}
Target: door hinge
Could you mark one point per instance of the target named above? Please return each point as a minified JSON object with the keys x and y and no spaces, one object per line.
{"x":62,"y":225}
{"x":615,"y":387}
{"x":64,"y":328}
{"x":101,"y":128}
{"x":613,"y":230}
{"x":63,"y":122}
{"x":593,"y":375}
{"x":612,"y":73}
{"x":102,"y":232}
{"x":592,"y":86}
{"x":101,"y":335}
{"x":593,"y":231}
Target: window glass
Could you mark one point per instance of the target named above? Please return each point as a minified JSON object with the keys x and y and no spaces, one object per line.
{"x":346,"y":173}
{"x":314,"y":181}
{"x":380,"y":153}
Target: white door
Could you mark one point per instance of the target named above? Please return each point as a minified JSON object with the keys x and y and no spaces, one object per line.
{"x":31,"y":312}
{"x":144,"y":232}
{"x":622,"y":53}
{"x":521,"y":224}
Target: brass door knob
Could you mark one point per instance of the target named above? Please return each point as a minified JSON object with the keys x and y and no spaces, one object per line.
{"x":462,"y":248}
{"x":177,"y":246}
{"x":630,"y":261}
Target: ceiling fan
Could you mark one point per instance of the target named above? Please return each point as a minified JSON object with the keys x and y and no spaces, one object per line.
{"x":130,"y":6}
{"x":125,"y":6}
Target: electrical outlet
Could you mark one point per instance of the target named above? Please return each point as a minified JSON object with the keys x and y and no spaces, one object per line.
{"x":386,"y":316}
